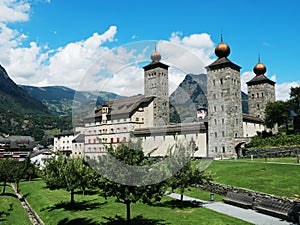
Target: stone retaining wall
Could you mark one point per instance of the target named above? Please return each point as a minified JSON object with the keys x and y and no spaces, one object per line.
{"x":289,"y":151}
{"x":222,"y":189}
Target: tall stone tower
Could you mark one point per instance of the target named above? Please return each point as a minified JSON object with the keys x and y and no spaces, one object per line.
{"x":156,"y":84}
{"x":225,"y":118}
{"x":261,"y":91}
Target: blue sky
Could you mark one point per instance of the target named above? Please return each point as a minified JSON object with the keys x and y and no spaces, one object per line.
{"x":54,"y":42}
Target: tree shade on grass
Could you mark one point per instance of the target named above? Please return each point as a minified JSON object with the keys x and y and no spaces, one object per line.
{"x":132,"y":155}
{"x":11,"y":209}
{"x":52,"y":207}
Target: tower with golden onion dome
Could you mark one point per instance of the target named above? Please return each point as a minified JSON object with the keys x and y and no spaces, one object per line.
{"x":156,"y":84}
{"x":225,"y":118}
{"x":261,"y":91}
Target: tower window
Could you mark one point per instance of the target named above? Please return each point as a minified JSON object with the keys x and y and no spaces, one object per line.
{"x":216,"y":134}
{"x":221,"y":81}
{"x":223,"y":149}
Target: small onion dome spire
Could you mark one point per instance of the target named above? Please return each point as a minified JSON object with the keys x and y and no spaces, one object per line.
{"x":222,"y":50}
{"x":259,"y":68}
{"x":155,"y":56}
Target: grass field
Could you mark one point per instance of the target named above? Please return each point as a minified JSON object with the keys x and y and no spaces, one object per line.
{"x":11,"y":209}
{"x":200,"y":194}
{"x":277,"y":179}
{"x":53,"y":208}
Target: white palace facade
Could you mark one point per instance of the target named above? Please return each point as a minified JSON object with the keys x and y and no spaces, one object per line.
{"x":219,"y":133}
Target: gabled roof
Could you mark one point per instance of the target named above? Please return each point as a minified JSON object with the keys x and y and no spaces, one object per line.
{"x":123,"y":107}
{"x":65,"y":133}
{"x":222,"y":63}
{"x":260,"y":79}
{"x":155,"y":64}
{"x":79,"y":139}
{"x":252,"y":118}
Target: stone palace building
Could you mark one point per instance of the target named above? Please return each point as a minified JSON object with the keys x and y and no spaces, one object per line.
{"x":219,"y":132}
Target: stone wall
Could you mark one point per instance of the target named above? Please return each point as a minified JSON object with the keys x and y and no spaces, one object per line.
{"x":222,"y":189}
{"x":290,"y":151}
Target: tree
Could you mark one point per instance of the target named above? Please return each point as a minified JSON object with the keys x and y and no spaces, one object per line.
{"x":126,"y":191}
{"x":277,"y":113}
{"x":66,"y":173}
{"x":12,"y":170}
{"x":189,"y":173}
{"x":6,"y":170}
{"x":295,"y":99}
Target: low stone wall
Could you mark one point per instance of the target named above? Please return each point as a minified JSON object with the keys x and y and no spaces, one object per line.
{"x":278,"y":152}
{"x":222,"y":189}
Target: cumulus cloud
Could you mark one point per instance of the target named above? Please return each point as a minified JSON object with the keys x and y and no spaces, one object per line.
{"x":14,"y":11}
{"x":200,"y":45}
{"x":283,"y":90}
{"x":88,"y":64}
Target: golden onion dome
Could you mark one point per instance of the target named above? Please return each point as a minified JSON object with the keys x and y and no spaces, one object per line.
{"x":155,"y":56}
{"x":222,"y":50}
{"x":259,"y":69}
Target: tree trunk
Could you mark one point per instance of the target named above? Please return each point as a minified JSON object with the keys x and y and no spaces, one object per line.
{"x":181,"y":197}
{"x":72,"y":197}
{"x":4,"y":186}
{"x":17,"y":185}
{"x":128,"y":212}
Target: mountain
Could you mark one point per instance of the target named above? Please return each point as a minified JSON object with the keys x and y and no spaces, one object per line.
{"x":60,"y":100}
{"x":12,"y":96}
{"x":190,"y":95}
{"x":21,"y":114}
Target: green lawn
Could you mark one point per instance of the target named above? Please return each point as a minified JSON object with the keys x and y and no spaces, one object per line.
{"x":277,"y":179}
{"x":200,"y":194}
{"x":53,"y":208}
{"x":11,"y":209}
{"x":269,"y":160}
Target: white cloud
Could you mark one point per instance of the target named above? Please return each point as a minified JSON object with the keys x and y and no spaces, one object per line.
{"x":245,"y":77}
{"x":89,"y":64}
{"x":200,"y":45}
{"x":14,"y":11}
{"x":283,"y":90}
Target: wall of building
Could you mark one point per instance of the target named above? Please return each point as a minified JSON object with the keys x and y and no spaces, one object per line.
{"x":163,"y":142}
{"x":251,"y":128}
{"x":259,"y":95}
{"x":224,"y":110}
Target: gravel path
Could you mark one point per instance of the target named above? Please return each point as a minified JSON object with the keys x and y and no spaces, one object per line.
{"x":34,"y":218}
{"x":248,"y":215}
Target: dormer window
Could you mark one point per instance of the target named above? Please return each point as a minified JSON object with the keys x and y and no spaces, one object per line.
{"x":104,"y":109}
